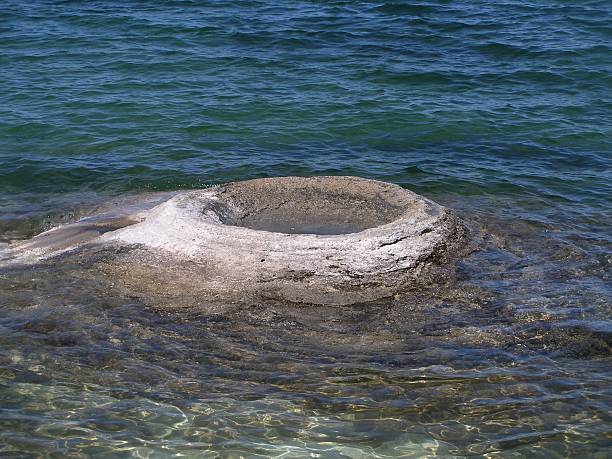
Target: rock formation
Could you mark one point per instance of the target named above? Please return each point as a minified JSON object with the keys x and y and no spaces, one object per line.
{"x":321,"y":240}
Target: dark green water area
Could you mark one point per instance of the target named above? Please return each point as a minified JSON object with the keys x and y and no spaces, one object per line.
{"x":500,"y":110}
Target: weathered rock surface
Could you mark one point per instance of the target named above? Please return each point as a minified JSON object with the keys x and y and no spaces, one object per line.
{"x":322,"y":240}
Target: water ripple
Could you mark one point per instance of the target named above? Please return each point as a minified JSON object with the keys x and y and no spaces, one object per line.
{"x":500,"y":110}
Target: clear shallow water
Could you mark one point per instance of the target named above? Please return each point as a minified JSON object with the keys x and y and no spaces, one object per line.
{"x":498,"y":110}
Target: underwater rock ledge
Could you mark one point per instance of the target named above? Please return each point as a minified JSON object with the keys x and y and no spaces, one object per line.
{"x":318,"y":240}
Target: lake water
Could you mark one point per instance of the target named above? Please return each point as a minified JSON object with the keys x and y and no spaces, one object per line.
{"x":499,"y":110}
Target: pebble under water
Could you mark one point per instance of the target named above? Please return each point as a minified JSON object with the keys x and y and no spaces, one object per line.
{"x":499,"y":111}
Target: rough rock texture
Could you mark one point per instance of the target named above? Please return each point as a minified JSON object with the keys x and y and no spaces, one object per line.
{"x":110,"y":216}
{"x":322,"y":240}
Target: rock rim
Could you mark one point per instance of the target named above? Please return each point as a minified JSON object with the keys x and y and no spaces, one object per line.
{"x":318,"y":240}
{"x":397,"y":236}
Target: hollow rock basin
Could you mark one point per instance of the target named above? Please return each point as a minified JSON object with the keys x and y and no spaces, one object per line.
{"x":321,"y":240}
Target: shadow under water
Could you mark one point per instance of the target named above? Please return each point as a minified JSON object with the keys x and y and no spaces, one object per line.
{"x":509,"y":358}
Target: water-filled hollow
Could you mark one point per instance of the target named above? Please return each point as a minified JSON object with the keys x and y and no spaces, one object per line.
{"x":320,"y":210}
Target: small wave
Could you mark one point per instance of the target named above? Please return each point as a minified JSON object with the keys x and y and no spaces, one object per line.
{"x":505,"y":50}
{"x":405,"y":8}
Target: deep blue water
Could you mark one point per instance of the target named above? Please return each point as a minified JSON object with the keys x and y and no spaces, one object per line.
{"x":500,"y":110}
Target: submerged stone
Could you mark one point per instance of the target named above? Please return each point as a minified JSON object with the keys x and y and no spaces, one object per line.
{"x":322,"y":240}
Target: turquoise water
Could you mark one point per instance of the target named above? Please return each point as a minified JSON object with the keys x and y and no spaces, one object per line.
{"x":499,"y":110}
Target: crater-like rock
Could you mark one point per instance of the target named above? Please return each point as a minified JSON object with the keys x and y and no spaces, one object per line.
{"x":321,"y":240}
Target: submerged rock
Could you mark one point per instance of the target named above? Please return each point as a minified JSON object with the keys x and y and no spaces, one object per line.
{"x":321,"y":240}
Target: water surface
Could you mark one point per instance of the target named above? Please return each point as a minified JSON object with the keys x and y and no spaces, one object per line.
{"x":499,"y":110}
